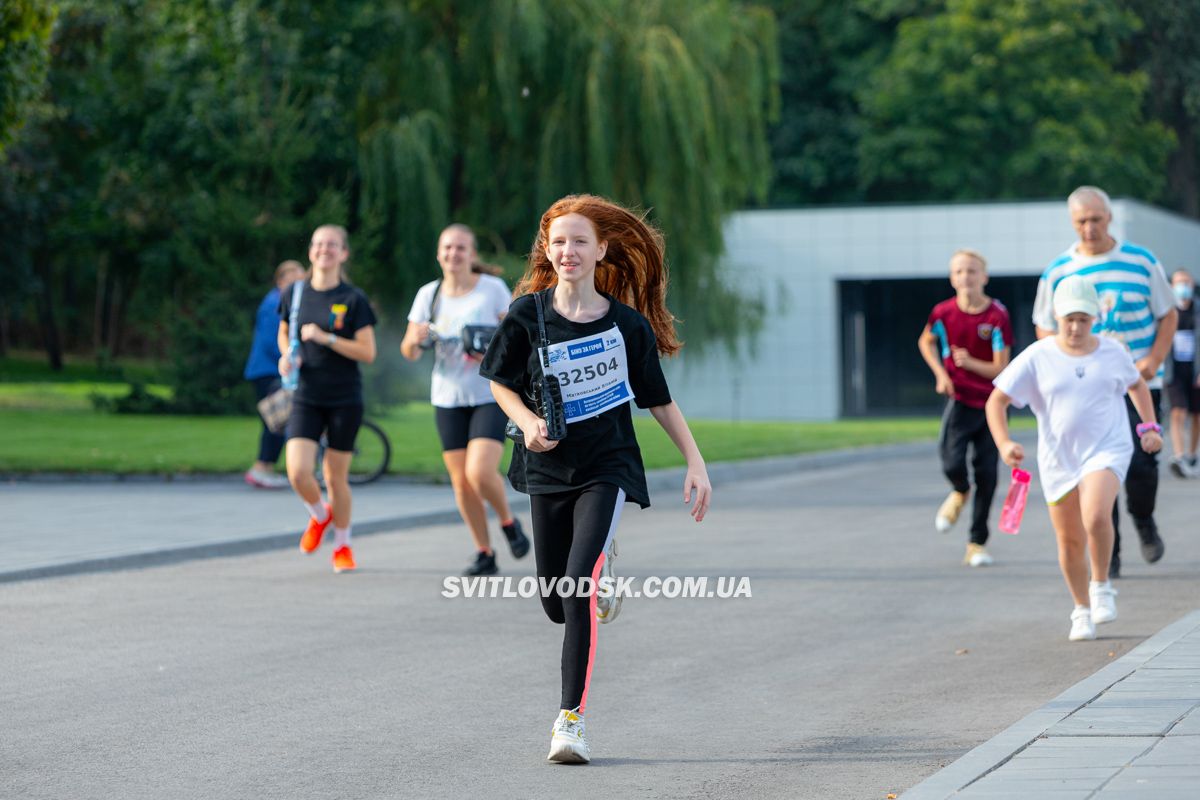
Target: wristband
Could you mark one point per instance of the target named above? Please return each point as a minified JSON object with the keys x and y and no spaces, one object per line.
{"x":1146,"y":427}
{"x":332,"y":339}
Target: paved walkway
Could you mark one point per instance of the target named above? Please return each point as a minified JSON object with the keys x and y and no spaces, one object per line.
{"x":69,"y":526}
{"x":1131,"y":731}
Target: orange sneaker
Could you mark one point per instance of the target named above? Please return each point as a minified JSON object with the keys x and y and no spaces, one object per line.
{"x":311,"y":539}
{"x":343,"y":559}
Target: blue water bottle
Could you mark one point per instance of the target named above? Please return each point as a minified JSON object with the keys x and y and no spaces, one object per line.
{"x":292,"y":379}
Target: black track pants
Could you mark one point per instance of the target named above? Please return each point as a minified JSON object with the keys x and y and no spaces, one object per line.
{"x":962,"y":426}
{"x":1141,"y":482}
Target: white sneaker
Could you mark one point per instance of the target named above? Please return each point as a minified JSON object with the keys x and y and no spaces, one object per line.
{"x":947,"y":513}
{"x":607,"y":607}
{"x":1082,"y":627}
{"x":1104,"y":603}
{"x":567,"y":743}
{"x":978,"y":556}
{"x":266,"y":480}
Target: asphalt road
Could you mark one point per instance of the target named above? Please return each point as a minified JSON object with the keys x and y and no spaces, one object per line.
{"x":867,"y":658}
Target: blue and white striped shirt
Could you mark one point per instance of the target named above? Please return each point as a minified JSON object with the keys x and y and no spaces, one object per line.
{"x":1134,"y":294}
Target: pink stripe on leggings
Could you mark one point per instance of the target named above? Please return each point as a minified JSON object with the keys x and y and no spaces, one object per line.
{"x":587,"y":678}
{"x":612,"y":529}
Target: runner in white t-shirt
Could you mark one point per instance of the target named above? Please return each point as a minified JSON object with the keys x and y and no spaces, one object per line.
{"x":1075,"y":383}
{"x":469,"y":423}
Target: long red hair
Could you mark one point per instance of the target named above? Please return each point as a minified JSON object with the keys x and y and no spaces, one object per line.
{"x":634,"y":269}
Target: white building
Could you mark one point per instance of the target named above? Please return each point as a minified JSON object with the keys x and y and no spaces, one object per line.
{"x":848,"y":291}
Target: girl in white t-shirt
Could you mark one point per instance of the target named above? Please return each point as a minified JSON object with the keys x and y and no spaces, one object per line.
{"x":1075,"y":383}
{"x":469,"y":423}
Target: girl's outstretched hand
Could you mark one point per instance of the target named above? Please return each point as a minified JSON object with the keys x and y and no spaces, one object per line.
{"x":1012,"y":453}
{"x":697,"y":487}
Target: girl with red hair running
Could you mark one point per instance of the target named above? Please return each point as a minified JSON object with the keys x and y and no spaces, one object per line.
{"x":596,"y":283}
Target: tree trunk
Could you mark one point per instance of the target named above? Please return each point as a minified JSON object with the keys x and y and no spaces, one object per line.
{"x":46,"y":311}
{"x":1181,"y":170}
{"x":98,"y":310}
{"x":3,"y":327}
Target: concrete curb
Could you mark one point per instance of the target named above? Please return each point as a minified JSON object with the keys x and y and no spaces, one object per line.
{"x":663,"y":480}
{"x":998,"y":750}
{"x":154,"y":557}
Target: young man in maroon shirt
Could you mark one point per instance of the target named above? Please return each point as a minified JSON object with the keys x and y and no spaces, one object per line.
{"x":966,"y":343}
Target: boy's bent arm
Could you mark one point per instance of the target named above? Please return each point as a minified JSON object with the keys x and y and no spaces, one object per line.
{"x":927,"y":343}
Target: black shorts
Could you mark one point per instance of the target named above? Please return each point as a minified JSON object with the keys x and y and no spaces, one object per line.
{"x":339,"y":423}
{"x":457,"y":426}
{"x":1182,"y":390}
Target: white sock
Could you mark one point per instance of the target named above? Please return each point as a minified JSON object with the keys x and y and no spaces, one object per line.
{"x":341,"y":536}
{"x":1097,"y":584}
{"x":1085,"y":608}
{"x":317,"y":510}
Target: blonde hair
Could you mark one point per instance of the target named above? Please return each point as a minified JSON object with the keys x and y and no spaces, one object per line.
{"x":285,"y":266}
{"x":975,"y":254}
{"x":478,"y":266}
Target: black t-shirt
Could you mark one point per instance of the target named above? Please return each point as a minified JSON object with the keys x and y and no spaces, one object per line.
{"x":599,"y":449}
{"x":328,"y":378}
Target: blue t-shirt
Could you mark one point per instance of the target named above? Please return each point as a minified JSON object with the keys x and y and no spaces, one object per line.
{"x":263,"y":361}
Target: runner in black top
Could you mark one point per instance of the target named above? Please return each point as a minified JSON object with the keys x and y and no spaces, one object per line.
{"x":337,"y":331}
{"x":601,"y":273}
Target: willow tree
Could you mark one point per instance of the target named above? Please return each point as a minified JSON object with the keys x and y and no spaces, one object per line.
{"x":487,"y":112}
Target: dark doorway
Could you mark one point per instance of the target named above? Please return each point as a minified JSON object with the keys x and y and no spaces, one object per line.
{"x":882,"y":372}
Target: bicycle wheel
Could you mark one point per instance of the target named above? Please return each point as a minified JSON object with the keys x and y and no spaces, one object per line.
{"x":372,"y":454}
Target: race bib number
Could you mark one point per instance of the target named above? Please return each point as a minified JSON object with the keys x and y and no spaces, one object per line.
{"x":593,"y":373}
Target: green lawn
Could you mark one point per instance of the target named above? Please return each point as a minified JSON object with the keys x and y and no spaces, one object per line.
{"x":47,"y":424}
{"x":86,"y":441}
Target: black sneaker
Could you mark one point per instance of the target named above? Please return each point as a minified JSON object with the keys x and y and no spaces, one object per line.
{"x":1152,"y":543}
{"x":1114,"y":566}
{"x":518,"y":542}
{"x":484,"y":564}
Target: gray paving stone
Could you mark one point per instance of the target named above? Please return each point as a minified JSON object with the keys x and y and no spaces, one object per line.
{"x":1148,"y":720}
{"x":1183,"y":751}
{"x":1189,"y":725}
{"x":1139,"y":777}
{"x":971,"y":793}
{"x":1148,"y":793}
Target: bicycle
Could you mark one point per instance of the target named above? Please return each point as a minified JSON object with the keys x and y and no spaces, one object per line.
{"x":372,"y":454}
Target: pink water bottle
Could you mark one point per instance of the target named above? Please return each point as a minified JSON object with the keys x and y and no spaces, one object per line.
{"x":1014,"y":502}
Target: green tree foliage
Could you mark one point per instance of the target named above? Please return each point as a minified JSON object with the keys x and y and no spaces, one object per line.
{"x":24,"y":52}
{"x":1010,"y":99}
{"x":192,"y":144}
{"x":828,"y":51}
{"x":486,"y":113}
{"x":1167,"y":49}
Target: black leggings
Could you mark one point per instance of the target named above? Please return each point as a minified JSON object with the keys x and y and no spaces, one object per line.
{"x":571,"y":531}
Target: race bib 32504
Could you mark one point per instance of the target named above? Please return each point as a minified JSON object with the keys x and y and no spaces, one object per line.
{"x":593,"y":372}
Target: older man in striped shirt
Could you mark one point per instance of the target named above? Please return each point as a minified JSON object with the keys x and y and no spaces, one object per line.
{"x":1137,"y":307}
